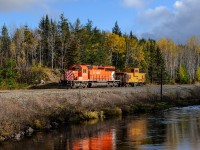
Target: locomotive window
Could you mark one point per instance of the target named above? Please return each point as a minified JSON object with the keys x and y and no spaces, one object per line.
{"x":101,"y":68}
{"x":132,"y":70}
{"x":110,"y":69}
{"x":89,"y":67}
{"x":75,"y":69}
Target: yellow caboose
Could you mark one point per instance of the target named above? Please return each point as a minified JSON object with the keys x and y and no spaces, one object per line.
{"x":131,"y":76}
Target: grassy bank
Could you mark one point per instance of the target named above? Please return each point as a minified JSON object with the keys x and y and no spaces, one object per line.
{"x":22,"y":111}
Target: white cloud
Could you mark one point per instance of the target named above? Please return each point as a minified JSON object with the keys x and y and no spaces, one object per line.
{"x":159,"y":14}
{"x":178,"y":4}
{"x":179,"y":23}
{"x":133,"y":3}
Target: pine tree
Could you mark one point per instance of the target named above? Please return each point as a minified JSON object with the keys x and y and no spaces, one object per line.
{"x":115,"y":54}
{"x":73,"y":52}
{"x":154,"y":61}
{"x":64,"y":34}
{"x":45,"y":35}
{"x":52,"y":41}
{"x":131,"y":36}
{"x":5,"y":44}
{"x":116,"y":29}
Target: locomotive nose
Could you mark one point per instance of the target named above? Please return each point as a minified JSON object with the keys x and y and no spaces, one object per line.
{"x":69,"y":75}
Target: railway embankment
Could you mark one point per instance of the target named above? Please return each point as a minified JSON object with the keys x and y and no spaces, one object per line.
{"x":24,"y":111}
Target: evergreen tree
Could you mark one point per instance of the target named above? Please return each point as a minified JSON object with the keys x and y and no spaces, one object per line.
{"x":5,"y":44}
{"x":53,"y":38}
{"x":64,"y":34}
{"x":115,"y":54}
{"x":73,"y":52}
{"x":8,"y":74}
{"x":45,"y":35}
{"x":131,"y":36}
{"x":154,"y":60}
{"x":86,"y":41}
{"x":116,"y":29}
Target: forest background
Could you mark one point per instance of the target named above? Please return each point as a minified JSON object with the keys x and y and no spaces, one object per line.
{"x":25,"y":52}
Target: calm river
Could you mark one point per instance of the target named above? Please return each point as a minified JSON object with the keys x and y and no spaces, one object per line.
{"x":174,"y":129}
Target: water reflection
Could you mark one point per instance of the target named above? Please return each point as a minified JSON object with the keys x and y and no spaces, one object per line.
{"x":178,"y":128}
{"x":103,"y":141}
{"x":183,"y":128}
{"x":137,"y":131}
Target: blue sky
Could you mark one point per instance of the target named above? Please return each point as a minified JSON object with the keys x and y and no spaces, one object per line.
{"x":176,"y":19}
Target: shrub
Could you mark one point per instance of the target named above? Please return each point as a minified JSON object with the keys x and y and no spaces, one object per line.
{"x":37,"y":124}
{"x":36,"y":73}
{"x":87,"y":115}
{"x":111,"y":112}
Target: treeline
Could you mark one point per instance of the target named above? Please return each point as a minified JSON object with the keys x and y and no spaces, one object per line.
{"x":58,"y":44}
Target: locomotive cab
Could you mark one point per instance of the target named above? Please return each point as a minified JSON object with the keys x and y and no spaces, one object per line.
{"x":80,"y":72}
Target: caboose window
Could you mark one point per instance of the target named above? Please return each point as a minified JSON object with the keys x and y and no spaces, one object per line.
{"x":84,"y":71}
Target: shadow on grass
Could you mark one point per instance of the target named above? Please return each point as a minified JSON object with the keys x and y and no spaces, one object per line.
{"x":52,"y":85}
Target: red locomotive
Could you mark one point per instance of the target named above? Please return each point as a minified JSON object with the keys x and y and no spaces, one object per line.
{"x":89,"y":76}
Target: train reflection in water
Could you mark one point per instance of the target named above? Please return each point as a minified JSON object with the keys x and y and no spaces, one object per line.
{"x":103,"y":141}
{"x":137,"y":131}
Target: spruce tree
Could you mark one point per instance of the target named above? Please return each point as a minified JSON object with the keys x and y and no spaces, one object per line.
{"x":64,"y":34}
{"x":116,"y":29}
{"x":5,"y":43}
{"x":45,"y":35}
{"x":115,"y":55}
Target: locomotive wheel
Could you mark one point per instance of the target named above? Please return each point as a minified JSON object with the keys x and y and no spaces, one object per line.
{"x":89,"y":85}
{"x":107,"y":85}
{"x":126,"y":85}
{"x":85,"y":85}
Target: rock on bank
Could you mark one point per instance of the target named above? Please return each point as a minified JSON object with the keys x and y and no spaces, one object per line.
{"x":39,"y":109}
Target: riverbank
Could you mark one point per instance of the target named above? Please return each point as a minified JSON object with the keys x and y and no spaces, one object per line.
{"x":23,"y":111}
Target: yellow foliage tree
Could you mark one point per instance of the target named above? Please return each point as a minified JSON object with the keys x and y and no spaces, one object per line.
{"x":170,"y":53}
{"x":116,"y":45}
